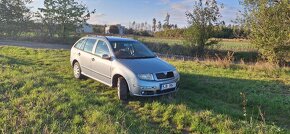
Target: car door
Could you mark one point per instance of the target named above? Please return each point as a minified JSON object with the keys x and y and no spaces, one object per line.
{"x":86,"y":56}
{"x":102,"y":67}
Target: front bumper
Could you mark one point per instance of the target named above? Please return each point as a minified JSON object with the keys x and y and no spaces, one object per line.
{"x":153,"y":88}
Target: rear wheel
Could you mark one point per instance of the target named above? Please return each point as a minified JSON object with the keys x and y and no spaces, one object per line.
{"x":77,"y":71}
{"x":122,"y":89}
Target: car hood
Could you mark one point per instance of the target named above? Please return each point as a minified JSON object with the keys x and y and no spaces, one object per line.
{"x":149,"y":65}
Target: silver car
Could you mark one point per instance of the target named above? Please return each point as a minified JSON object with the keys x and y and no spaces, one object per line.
{"x":123,"y":63}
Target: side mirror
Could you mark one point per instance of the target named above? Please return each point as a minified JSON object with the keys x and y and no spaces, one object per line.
{"x":105,"y":56}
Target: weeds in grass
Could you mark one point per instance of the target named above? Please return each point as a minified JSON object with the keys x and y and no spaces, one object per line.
{"x":244,"y":104}
{"x":228,"y":62}
{"x":225,"y":62}
{"x":256,"y":125}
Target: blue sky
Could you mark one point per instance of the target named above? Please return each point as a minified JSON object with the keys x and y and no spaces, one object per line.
{"x":125,"y":11}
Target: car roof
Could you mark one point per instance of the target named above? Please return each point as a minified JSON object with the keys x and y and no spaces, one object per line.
{"x":112,"y":38}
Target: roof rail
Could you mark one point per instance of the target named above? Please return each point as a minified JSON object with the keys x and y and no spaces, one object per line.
{"x":94,"y":35}
{"x":105,"y":37}
{"x":91,"y":35}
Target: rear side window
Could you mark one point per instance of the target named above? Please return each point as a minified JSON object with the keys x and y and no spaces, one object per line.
{"x":102,"y":48}
{"x":80,"y":44}
{"x":89,"y":45}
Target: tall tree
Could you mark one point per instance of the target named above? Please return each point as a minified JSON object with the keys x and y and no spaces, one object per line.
{"x":166,"y":24}
{"x":269,"y":21}
{"x":154,"y":25}
{"x":134,"y":25}
{"x":63,"y":16}
{"x":142,"y":26}
{"x":159,"y":26}
{"x":204,"y":16}
{"x":14,"y":16}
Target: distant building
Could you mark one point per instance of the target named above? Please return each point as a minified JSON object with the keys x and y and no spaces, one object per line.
{"x":120,"y":27}
{"x":85,"y":28}
{"x":107,"y":30}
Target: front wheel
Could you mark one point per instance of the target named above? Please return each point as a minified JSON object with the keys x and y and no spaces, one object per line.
{"x":122,"y":89}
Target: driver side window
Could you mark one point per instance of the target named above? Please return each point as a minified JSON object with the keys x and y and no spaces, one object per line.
{"x":102,"y":48}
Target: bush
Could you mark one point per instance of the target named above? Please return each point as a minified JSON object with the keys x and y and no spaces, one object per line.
{"x":269,"y":24}
{"x":184,"y":50}
{"x":142,"y":33}
{"x":114,"y":29}
{"x":170,"y":33}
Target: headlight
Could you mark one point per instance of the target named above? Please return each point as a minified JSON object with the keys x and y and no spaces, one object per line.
{"x":146,"y":76}
{"x":176,"y":74}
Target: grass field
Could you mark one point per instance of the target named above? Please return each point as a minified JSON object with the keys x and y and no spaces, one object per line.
{"x":38,"y":94}
{"x":229,"y":44}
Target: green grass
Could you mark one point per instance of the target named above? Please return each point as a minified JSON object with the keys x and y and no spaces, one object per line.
{"x":160,"y":40}
{"x":38,"y":94}
{"x":230,"y":45}
{"x":236,"y":46}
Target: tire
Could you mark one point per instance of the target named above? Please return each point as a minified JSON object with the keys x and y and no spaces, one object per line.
{"x":77,"y":71}
{"x":122,"y":89}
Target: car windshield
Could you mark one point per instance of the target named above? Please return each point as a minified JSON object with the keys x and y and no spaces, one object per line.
{"x":131,"y":50}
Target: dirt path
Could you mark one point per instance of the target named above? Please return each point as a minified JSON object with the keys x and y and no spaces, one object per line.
{"x":33,"y":44}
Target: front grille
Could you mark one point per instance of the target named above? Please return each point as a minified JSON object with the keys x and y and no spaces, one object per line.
{"x":165,"y":75}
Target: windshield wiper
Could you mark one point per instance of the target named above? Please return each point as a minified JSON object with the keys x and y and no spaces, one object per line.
{"x":126,"y":57}
{"x":144,"y":57}
{"x":139,"y":57}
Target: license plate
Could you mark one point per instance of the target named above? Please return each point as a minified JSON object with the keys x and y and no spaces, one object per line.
{"x":168,"y":86}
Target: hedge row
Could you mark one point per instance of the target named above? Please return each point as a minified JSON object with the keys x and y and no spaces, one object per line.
{"x":184,"y":50}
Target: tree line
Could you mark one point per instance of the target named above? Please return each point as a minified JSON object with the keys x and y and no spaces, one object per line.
{"x":221,"y":31}
{"x":264,"y":22}
{"x":58,"y":18}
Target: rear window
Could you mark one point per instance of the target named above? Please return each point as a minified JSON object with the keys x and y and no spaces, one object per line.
{"x":89,"y":45}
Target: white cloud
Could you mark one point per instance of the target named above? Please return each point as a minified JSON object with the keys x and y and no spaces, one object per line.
{"x":229,"y":13}
{"x":178,"y":6}
{"x":177,"y":10}
{"x":165,"y":1}
{"x":97,"y":18}
{"x":146,"y":1}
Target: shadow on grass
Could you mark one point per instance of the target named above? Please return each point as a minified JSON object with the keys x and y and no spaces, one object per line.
{"x":247,"y":56}
{"x":223,"y":96}
{"x":6,"y":60}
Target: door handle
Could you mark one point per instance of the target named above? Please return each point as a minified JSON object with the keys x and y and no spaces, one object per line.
{"x":93,"y":59}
